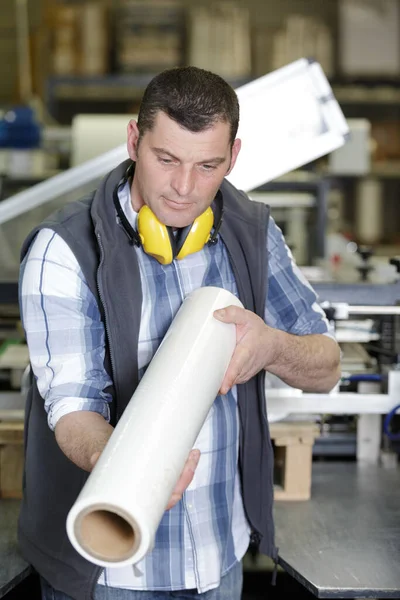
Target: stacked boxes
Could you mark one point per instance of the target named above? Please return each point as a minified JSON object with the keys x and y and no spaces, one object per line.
{"x":80,"y":39}
{"x":219,"y":39}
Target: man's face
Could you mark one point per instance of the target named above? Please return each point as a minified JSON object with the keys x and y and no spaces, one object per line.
{"x":178,"y":172}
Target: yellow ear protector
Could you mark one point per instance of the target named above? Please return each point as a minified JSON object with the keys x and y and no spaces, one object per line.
{"x":162,"y":242}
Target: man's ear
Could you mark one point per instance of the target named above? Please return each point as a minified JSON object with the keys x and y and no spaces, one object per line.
{"x":133,"y":139}
{"x":237,"y":144}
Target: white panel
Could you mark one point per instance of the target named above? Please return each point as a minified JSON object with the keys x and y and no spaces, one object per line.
{"x":288,"y":119}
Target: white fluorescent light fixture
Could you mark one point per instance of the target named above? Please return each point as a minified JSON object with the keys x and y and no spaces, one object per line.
{"x":289,"y":118}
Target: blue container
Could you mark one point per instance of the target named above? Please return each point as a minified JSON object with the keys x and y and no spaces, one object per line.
{"x":19,"y":129}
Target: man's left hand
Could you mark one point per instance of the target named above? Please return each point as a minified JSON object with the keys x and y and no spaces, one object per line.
{"x":256,"y":345}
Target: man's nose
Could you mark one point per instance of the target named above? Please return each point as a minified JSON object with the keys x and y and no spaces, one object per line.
{"x":183,"y":180}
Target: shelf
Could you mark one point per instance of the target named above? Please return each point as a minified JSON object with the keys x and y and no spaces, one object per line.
{"x":110,"y":87}
{"x":129,"y":88}
{"x":379,"y":170}
{"x":284,"y":200}
{"x":122,"y":86}
{"x":363,"y":94}
{"x":389,"y":169}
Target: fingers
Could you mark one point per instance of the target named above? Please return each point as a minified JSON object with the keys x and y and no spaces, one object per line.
{"x":185,"y":478}
{"x":252,"y":343}
{"x":94,"y":458}
{"x":236,"y":372}
{"x":231,"y":314}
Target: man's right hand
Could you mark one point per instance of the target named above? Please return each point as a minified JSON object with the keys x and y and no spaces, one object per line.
{"x":184,"y":480}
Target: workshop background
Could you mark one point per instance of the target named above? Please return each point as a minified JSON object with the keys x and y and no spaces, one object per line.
{"x":72,"y":74}
{"x":86,"y":58}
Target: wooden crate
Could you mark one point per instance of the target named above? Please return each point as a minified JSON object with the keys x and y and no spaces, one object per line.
{"x":11,"y":458}
{"x":293,"y":443}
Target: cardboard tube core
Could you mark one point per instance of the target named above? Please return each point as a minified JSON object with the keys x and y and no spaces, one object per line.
{"x":107,"y":535}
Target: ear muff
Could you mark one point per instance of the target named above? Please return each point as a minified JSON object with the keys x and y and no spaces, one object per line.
{"x":155,"y":236}
{"x":197,"y":235}
{"x":159,"y":241}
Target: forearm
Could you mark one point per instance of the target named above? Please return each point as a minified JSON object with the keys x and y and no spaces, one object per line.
{"x":308,"y":362}
{"x":82,"y":434}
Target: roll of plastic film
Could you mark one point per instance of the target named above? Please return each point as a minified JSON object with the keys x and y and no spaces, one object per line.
{"x":369,"y":210}
{"x":114,"y":520}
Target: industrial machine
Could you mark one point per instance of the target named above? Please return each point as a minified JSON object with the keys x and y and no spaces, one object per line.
{"x":358,"y":418}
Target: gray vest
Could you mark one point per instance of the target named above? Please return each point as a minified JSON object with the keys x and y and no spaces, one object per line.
{"x":51,"y":481}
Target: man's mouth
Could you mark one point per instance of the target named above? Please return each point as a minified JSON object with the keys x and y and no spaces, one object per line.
{"x":177,"y":205}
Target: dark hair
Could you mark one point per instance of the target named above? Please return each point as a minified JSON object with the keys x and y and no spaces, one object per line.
{"x":193,"y":97}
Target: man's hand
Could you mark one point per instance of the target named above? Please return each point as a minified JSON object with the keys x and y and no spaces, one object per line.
{"x":309,"y":362}
{"x":256,"y":345}
{"x":184,"y":480}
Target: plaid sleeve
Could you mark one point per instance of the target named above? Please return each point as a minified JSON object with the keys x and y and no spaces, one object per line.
{"x":292,"y":304}
{"x":64,"y":331}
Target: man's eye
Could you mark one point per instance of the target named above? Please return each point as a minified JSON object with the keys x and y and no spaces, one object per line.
{"x":208,"y":167}
{"x":165,"y":161}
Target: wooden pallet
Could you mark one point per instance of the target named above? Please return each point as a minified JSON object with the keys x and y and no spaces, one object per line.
{"x":11,"y":458}
{"x":293,"y":443}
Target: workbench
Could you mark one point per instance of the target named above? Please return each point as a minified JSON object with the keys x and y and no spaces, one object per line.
{"x":345,"y":541}
{"x":342,"y":543}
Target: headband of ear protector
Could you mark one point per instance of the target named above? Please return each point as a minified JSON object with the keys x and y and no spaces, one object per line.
{"x":159,"y":240}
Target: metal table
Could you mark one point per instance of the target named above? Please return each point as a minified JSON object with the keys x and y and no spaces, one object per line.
{"x":345,"y":541}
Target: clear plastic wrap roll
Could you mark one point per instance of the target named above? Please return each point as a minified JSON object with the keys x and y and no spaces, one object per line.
{"x":114,"y":520}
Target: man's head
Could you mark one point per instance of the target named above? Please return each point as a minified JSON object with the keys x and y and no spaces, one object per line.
{"x":183,"y":143}
{"x":196,"y":99}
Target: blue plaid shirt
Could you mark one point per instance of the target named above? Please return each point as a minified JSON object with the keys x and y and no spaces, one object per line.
{"x":206,"y":533}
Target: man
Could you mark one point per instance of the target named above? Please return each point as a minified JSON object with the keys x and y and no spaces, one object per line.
{"x":101,"y":281}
